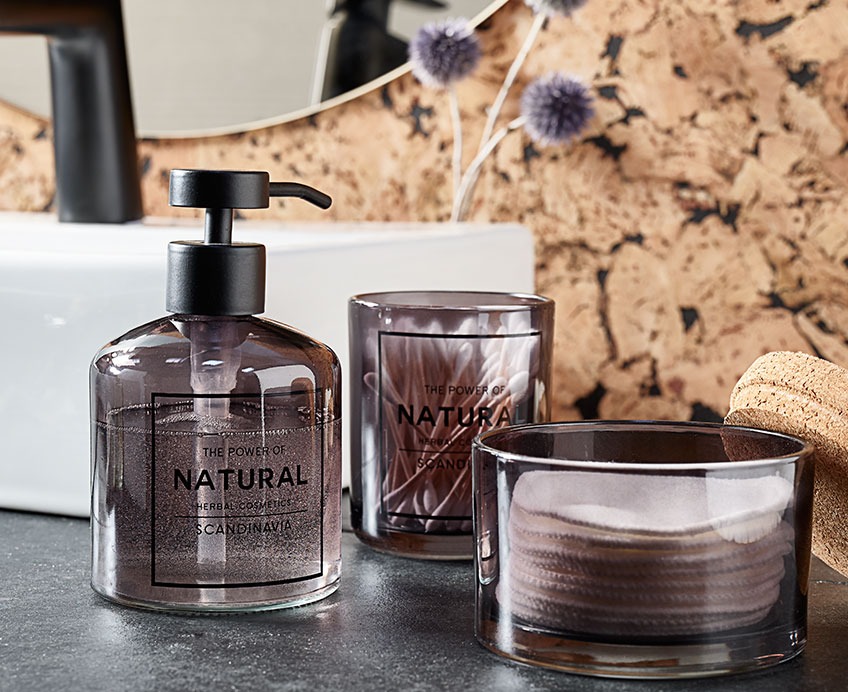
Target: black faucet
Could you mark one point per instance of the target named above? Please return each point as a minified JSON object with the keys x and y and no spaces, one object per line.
{"x":361,"y":48}
{"x":97,"y":176}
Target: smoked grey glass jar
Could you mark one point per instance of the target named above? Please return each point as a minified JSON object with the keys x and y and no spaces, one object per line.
{"x":429,"y":370}
{"x":216,"y":445}
{"x":642,"y":549}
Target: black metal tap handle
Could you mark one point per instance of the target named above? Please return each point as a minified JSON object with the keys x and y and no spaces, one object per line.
{"x":97,"y":176}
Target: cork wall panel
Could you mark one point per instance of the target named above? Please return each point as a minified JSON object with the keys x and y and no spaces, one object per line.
{"x":701,"y":220}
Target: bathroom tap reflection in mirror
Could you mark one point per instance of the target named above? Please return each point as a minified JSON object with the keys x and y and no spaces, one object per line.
{"x":206,"y":66}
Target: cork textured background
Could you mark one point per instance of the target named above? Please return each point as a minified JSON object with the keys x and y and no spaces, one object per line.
{"x":700,"y":221}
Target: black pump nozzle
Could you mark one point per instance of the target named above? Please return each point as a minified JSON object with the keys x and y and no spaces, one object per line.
{"x":310,"y":194}
{"x":217,"y":276}
{"x":223,"y":191}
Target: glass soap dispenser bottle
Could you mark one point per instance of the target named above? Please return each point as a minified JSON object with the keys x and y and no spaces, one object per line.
{"x":216,"y":435}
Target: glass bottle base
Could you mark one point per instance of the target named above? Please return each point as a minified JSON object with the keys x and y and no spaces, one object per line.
{"x":219,"y":607}
{"x":420,"y":545}
{"x":649,"y":661}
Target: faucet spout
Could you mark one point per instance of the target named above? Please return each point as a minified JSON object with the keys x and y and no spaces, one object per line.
{"x":97,"y":176}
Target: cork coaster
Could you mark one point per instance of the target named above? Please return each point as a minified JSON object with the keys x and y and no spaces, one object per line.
{"x":804,"y":396}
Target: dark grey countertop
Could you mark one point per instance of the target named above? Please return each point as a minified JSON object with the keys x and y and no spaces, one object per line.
{"x":395,"y":624}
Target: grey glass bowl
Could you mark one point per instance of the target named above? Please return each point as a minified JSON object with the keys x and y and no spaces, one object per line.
{"x":642,"y":549}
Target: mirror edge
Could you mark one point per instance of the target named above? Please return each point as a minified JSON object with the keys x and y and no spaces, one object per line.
{"x":308,"y":111}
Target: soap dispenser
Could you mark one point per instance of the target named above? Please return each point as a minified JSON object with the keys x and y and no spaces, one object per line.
{"x":216,"y":434}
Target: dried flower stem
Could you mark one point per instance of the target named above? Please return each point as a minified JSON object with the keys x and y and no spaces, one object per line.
{"x":460,"y":205}
{"x":509,"y":80}
{"x":469,"y":179}
{"x":457,"y":139}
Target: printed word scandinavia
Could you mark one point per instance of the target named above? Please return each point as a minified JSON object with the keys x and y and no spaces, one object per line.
{"x":241,"y":529}
{"x":242,"y":479}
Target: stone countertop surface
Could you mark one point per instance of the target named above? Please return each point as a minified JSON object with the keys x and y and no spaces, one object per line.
{"x":394,"y":624}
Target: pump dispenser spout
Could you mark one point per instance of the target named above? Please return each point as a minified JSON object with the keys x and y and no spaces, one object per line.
{"x":219,"y":277}
{"x":219,"y":220}
{"x":310,"y":194}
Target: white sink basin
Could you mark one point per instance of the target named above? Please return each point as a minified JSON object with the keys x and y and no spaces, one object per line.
{"x":67,"y":289}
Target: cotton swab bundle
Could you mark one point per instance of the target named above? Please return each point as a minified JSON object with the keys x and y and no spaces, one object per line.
{"x":451,"y":386}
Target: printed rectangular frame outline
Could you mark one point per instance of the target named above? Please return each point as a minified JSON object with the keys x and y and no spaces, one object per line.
{"x":240,"y":585}
{"x":383,"y":465}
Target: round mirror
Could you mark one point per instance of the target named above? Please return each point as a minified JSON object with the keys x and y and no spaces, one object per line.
{"x":212,"y":66}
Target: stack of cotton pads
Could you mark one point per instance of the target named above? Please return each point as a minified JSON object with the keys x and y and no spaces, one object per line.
{"x":644,"y":555}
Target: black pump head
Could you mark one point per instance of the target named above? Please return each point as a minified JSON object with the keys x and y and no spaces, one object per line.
{"x":217,"y":276}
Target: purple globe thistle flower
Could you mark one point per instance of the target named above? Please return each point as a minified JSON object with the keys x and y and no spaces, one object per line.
{"x":552,"y":7}
{"x":444,"y":52}
{"x":555,"y":108}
